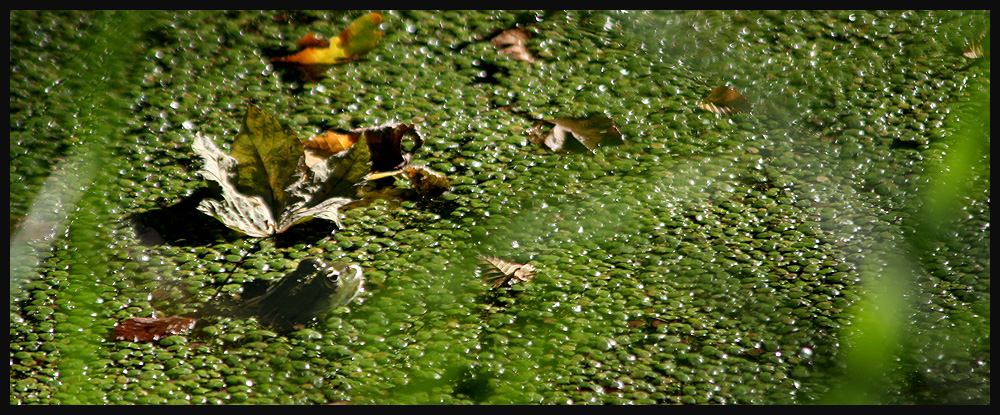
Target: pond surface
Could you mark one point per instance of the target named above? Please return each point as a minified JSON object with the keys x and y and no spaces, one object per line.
{"x":807,"y":251}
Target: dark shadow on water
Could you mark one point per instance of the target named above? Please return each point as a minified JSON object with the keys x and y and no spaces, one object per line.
{"x":180,"y":224}
{"x":305,"y":233}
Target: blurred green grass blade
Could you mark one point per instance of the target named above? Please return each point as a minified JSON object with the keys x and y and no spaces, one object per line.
{"x":100,"y":68}
{"x":876,"y":334}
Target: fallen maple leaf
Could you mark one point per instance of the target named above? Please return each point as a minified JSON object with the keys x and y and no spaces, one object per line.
{"x":268,"y":158}
{"x":266,"y":185}
{"x":576,"y":134}
{"x":357,"y":39}
{"x":149,"y":329}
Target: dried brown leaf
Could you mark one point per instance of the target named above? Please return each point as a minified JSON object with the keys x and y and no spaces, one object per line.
{"x":725,"y":100}
{"x":513,"y":42}
{"x":501,"y":272}
{"x":386,"y":145}
{"x":581,"y":134}
{"x":427,"y":182}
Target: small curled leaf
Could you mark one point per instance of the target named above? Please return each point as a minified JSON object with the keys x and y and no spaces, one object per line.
{"x":501,"y":272}
{"x":513,"y":42}
{"x":582,"y":134}
{"x":726,"y":101}
{"x":427,"y":182}
{"x":387,"y":145}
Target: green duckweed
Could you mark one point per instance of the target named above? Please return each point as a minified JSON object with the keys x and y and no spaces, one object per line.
{"x":708,"y":259}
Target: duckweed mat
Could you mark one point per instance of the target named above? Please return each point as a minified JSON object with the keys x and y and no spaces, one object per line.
{"x":830,"y":246}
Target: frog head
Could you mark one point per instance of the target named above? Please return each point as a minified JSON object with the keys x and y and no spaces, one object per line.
{"x":314,"y":289}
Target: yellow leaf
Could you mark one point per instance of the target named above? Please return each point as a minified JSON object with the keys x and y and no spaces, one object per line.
{"x":361,"y":36}
{"x":356,"y":40}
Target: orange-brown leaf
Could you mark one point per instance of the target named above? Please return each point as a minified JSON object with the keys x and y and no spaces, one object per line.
{"x":323,"y":146}
{"x":149,"y":329}
{"x":331,"y":142}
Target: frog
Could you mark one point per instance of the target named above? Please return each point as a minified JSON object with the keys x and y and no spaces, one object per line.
{"x":305,"y":295}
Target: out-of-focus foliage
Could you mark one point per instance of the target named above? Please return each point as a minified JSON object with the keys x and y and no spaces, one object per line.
{"x":878,"y":333}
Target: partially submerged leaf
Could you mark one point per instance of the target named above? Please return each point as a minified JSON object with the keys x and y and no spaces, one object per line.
{"x":354,"y":41}
{"x":149,"y":329}
{"x":576,"y":134}
{"x":513,"y":42}
{"x":501,"y":272}
{"x":725,"y":100}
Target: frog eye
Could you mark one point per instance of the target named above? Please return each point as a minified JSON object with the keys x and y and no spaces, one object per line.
{"x":333,"y":275}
